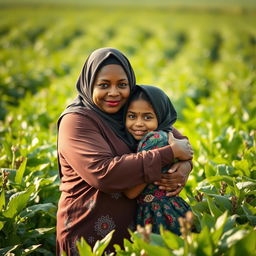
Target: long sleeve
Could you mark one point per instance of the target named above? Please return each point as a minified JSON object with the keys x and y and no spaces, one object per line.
{"x":89,"y":149}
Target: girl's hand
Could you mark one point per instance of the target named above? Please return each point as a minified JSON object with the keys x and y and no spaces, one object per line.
{"x":176,"y":178}
{"x":181,"y":148}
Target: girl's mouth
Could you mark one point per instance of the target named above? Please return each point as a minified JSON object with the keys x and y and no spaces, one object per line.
{"x":139,"y":133}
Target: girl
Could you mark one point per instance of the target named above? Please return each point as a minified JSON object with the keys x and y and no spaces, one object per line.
{"x":149,"y":117}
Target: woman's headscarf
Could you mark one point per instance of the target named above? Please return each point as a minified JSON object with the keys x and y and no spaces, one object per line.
{"x":84,"y":87}
{"x":163,"y":107}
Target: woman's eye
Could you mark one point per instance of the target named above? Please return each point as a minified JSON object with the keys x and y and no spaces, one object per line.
{"x":104,"y":85}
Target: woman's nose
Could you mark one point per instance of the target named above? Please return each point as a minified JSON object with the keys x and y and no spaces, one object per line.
{"x":113,"y":91}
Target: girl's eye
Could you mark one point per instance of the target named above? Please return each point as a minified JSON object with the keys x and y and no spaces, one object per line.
{"x":123,"y":85}
{"x":148,"y":117}
{"x":131,"y":116}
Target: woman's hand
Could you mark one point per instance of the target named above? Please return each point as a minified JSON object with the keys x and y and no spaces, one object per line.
{"x":181,"y":148}
{"x":176,"y":178}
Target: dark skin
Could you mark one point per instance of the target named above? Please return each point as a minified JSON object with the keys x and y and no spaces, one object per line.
{"x":176,"y":178}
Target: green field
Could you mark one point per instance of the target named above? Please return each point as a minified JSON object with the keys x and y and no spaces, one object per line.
{"x":202,"y":55}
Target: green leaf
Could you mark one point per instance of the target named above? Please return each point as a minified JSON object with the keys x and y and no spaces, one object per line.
{"x":249,"y":212}
{"x":222,"y":201}
{"x":20,"y":172}
{"x":30,"y":249}
{"x":8,"y":250}
{"x":245,"y":246}
{"x":207,"y":220}
{"x":128,"y":246}
{"x":231,"y":237}
{"x":34,"y":233}
{"x":156,"y":250}
{"x":171,"y":240}
{"x":249,"y":209}
{"x":101,"y":245}
{"x":243,"y":165}
{"x":156,"y":239}
{"x":223,"y":170}
{"x":2,"y":224}
{"x":84,"y":248}
{"x":249,"y":185}
{"x":221,"y":221}
{"x":18,"y":202}
{"x":227,"y":179}
{"x":2,"y":200}
{"x":150,"y":249}
{"x":32,"y":210}
{"x":205,"y":246}
{"x":230,"y":223}
{"x":200,"y":207}
{"x":219,"y":227}
{"x":215,"y":211}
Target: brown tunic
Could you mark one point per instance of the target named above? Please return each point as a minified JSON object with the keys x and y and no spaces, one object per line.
{"x":96,"y":166}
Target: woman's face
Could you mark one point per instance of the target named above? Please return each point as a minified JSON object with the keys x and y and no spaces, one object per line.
{"x":140,"y":119}
{"x":111,"y":88}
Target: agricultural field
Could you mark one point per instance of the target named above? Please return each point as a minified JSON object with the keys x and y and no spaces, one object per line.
{"x":204,"y":59}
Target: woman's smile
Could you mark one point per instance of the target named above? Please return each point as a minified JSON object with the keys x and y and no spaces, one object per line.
{"x":113,"y":103}
{"x":111,"y":88}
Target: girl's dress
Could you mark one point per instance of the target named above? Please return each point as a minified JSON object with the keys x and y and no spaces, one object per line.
{"x":154,"y":207}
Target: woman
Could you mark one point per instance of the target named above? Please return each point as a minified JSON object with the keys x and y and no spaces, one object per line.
{"x":95,"y":160}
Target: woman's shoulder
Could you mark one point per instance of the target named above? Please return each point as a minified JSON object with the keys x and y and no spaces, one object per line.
{"x":86,"y":119}
{"x":85,"y":114}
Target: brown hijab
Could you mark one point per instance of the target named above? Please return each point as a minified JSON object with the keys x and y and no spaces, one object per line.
{"x":84,"y":87}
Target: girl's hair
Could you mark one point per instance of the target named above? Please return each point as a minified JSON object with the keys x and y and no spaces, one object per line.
{"x":139,"y":95}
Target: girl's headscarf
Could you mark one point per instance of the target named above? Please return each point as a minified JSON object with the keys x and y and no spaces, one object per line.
{"x":163,"y":107}
{"x":84,"y":87}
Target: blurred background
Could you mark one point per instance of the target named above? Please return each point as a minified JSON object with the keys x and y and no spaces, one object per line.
{"x":201,"y":52}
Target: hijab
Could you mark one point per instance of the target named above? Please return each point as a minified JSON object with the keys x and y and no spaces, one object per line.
{"x":163,"y":107}
{"x":84,"y":86}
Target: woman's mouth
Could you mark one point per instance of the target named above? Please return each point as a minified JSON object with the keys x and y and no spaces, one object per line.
{"x":113,"y":103}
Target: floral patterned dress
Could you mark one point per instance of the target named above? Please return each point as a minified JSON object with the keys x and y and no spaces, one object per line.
{"x":154,"y":207}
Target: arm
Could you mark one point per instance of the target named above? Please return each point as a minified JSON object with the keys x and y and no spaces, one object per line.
{"x":169,"y":181}
{"x":176,"y":178}
{"x":178,"y":173}
{"x":151,"y":141}
{"x":85,"y":149}
{"x":133,"y":192}
{"x":178,"y":135}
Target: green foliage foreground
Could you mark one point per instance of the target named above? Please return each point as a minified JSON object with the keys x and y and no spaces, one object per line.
{"x":206,"y":63}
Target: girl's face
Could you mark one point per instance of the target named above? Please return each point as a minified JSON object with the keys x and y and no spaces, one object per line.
{"x":140,"y":119}
{"x":111,"y":88}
